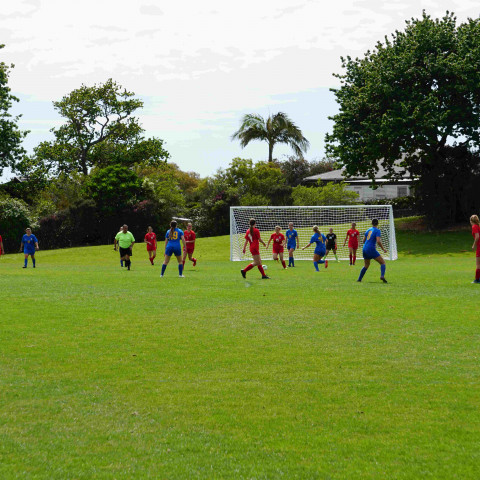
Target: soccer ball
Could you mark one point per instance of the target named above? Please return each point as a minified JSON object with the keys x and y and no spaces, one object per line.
{"x":264,"y":267}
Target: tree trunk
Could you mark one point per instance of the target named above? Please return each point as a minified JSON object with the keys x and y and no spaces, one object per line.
{"x":270,"y":152}
{"x":83,"y":162}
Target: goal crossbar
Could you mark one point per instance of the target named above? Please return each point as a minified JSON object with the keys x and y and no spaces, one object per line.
{"x":338,"y":217}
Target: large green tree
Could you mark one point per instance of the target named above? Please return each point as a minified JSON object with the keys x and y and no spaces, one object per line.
{"x":414,"y":101}
{"x":100,"y":129}
{"x":11,"y":150}
{"x":277,"y":128}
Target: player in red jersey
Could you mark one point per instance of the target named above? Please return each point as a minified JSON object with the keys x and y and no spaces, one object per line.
{"x":278,"y":240}
{"x":253,"y":238}
{"x":151,"y":241}
{"x":189,"y":236}
{"x":2,"y":251}
{"x":475,"y":223}
{"x":352,"y":236}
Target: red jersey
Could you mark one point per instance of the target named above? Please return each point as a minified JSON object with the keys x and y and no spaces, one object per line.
{"x":278,"y":238}
{"x":151,"y":240}
{"x":189,"y":236}
{"x":353,"y":234}
{"x":254,"y":238}
{"x":0,"y":243}
{"x":475,"y":229}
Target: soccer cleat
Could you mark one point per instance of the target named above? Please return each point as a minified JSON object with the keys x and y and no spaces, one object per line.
{"x":359,"y":281}
{"x":161,"y":276}
{"x":326,"y":263}
{"x":181,"y":276}
{"x":244,"y":274}
{"x":383,"y":279}
{"x":24,"y":266}
{"x":265,"y":277}
{"x":476,"y":281}
{"x":195,"y":262}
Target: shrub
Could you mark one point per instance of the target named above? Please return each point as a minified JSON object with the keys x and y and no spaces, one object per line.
{"x":14,"y":218}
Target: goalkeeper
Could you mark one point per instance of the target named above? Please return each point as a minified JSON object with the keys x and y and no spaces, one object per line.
{"x":331,"y":244}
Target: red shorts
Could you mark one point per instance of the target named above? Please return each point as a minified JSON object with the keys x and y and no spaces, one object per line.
{"x":277,"y":249}
{"x":150,"y":249}
{"x":190,"y":249}
{"x":254,"y":251}
{"x":353,"y":245}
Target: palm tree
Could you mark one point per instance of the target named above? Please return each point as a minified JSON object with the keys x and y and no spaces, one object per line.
{"x":276,"y":128}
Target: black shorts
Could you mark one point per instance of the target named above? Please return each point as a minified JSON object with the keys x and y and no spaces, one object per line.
{"x":125,"y":251}
{"x":330,"y":246}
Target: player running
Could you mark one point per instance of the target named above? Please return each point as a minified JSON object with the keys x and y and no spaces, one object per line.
{"x":373,"y":237}
{"x":125,"y":241}
{"x":253,"y":238}
{"x":151,"y":240}
{"x":29,"y":245}
{"x":173,"y":237}
{"x":292,"y":243}
{"x":331,"y":244}
{"x":278,"y":240}
{"x":319,"y":239}
{"x":475,"y":223}
{"x":190,"y":237}
{"x":352,"y":236}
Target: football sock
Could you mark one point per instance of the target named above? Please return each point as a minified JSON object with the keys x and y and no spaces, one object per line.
{"x":164,"y":267}
{"x":248,"y":267}
{"x":363,"y":271}
{"x":382,"y":269}
{"x":262,"y":271}
{"x":180,"y":268}
{"x":121,"y":263}
{"x":321,"y":261}
{"x":293,"y":262}
{"x":289,"y":261}
{"x":26,"y":261}
{"x":194,"y":260}
{"x":336,"y":258}
{"x":477,"y":274}
{"x":354,"y":259}
{"x":315,"y":264}
{"x":284,"y":264}
{"x":151,"y":260}
{"x":33,"y":261}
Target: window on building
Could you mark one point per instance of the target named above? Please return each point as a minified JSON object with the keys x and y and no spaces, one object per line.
{"x":380,"y":194}
{"x":402,"y":191}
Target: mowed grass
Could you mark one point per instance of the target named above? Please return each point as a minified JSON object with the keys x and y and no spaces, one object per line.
{"x":110,"y":374}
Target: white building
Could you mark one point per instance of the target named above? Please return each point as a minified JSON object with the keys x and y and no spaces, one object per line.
{"x":401,"y":186}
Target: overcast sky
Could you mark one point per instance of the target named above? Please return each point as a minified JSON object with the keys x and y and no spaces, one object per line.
{"x":198,"y":66}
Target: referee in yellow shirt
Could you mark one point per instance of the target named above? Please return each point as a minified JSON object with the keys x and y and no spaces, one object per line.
{"x":125,"y":240}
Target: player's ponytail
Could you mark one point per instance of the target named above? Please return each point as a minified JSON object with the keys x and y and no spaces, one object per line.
{"x":252,"y":224}
{"x":474,"y":219}
{"x":315,"y":228}
{"x":173,"y":226}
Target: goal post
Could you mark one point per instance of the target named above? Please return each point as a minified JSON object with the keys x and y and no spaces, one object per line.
{"x":338,"y":217}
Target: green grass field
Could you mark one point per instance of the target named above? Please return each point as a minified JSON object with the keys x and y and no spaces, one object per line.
{"x":110,"y":374}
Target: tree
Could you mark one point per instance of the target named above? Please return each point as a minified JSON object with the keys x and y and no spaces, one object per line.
{"x":328,"y":194}
{"x":14,"y":218}
{"x":296,"y":169}
{"x":99,"y":131}
{"x":414,"y":100}
{"x":11,"y":150}
{"x":275,"y":129}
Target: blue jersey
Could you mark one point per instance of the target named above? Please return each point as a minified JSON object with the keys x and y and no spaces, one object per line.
{"x":175,"y":240}
{"x":371,"y":239}
{"x":29,"y":243}
{"x":291,"y":236}
{"x":319,"y":239}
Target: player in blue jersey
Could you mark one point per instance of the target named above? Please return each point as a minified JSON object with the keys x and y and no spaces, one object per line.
{"x":29,"y":245}
{"x":292,"y":243}
{"x":372,"y":238}
{"x":319,"y":239}
{"x":173,"y":237}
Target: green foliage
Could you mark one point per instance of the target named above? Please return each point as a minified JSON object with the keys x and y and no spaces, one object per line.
{"x":295,"y":169}
{"x":14,"y":219}
{"x":114,"y":188}
{"x":11,"y":150}
{"x":278,"y":128}
{"x":328,"y":194}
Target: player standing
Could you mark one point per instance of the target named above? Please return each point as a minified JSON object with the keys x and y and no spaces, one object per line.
{"x":292,"y":243}
{"x":331,"y":244}
{"x":173,"y":237}
{"x":29,"y":245}
{"x":2,"y":251}
{"x":352,"y":236}
{"x":278,"y":243}
{"x":125,"y":241}
{"x":151,"y":240}
{"x":373,"y":237}
{"x":319,"y":239}
{"x":190,"y":237}
{"x":253,"y":238}
{"x":114,"y":247}
{"x":475,"y":223}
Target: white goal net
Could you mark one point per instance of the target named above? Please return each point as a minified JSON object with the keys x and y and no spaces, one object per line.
{"x":340,"y":218}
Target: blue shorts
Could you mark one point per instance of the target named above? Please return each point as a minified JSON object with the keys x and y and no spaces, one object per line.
{"x":320,"y":252}
{"x":370,"y":254}
{"x":291,"y":245}
{"x":173,"y":250}
{"x":29,"y":252}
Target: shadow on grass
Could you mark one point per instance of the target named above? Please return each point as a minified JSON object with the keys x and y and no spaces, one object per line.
{"x":434,"y":243}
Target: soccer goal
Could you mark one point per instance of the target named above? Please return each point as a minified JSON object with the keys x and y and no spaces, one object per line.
{"x":339,"y":218}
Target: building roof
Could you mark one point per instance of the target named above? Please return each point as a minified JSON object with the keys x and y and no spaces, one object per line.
{"x":381,"y":176}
